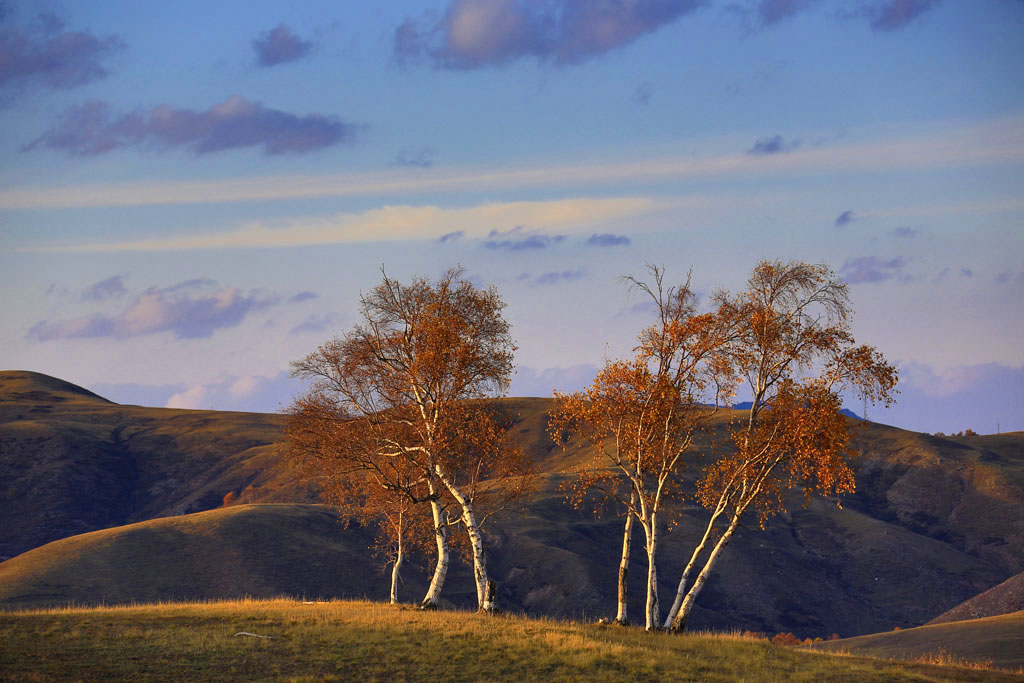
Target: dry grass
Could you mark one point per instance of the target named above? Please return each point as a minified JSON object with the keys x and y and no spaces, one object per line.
{"x":375,"y":641}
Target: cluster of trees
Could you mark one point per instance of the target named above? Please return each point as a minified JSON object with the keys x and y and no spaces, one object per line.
{"x":397,"y":422}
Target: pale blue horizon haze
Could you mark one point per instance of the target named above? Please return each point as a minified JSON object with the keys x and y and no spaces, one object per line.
{"x":193,"y":195}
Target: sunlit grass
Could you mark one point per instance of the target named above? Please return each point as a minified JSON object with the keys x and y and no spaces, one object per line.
{"x":376,"y":641}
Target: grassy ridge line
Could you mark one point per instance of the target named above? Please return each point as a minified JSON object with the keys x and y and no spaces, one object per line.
{"x":368,"y":641}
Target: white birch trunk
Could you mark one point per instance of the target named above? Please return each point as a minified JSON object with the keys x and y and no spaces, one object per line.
{"x":679,"y":624}
{"x":394,"y":575}
{"x":484,"y":597}
{"x":622,"y":616}
{"x":684,"y":579}
{"x":441,"y":568}
{"x":653,"y":611}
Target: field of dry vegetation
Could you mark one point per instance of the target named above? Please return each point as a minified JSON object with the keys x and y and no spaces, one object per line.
{"x":345,"y":640}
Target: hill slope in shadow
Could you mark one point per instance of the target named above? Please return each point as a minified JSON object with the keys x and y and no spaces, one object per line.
{"x":934,"y":522}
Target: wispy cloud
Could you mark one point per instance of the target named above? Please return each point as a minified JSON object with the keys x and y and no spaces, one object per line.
{"x":554,"y":277}
{"x":845,"y":218}
{"x":415,"y":157}
{"x":643,"y":94}
{"x":90,"y":129}
{"x":304,"y":296}
{"x":452,"y":236}
{"x":770,"y":12}
{"x":478,"y":33}
{"x":773,"y":145}
{"x":892,"y":15}
{"x":866,"y":269}
{"x":318,"y":323}
{"x":280,"y":45}
{"x":993,"y":143}
{"x":906,"y":232}
{"x":110,"y":288}
{"x":178,"y":309}
{"x":535,"y":220}
{"x":606,"y":239}
{"x":517,"y":239}
{"x":48,"y":56}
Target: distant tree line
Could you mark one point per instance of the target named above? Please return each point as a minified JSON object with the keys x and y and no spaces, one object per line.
{"x":397,"y":431}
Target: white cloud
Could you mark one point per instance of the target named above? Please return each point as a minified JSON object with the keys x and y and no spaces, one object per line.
{"x":193,"y":398}
{"x":390,"y":223}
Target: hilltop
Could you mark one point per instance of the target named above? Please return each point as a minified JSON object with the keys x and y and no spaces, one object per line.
{"x":935,"y":522}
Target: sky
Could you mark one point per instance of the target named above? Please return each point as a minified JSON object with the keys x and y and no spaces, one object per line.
{"x":194,"y":194}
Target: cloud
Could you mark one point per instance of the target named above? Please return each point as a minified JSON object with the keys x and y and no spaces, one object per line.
{"x":871,"y":269}
{"x":770,"y":12}
{"x":516,"y":239}
{"x":983,"y":397}
{"x":304,"y":296}
{"x":47,"y":56}
{"x":993,"y":143}
{"x":317,"y":323}
{"x":194,"y":398}
{"x":415,"y":157}
{"x":966,"y":272}
{"x":643,"y":94}
{"x":892,"y":15}
{"x":110,"y":288}
{"x":178,"y":309}
{"x":845,"y":218}
{"x":553,"y":278}
{"x":906,"y":231}
{"x":606,"y":239}
{"x":773,"y":145}
{"x":452,"y":236}
{"x":477,"y":33}
{"x":390,"y":223}
{"x":278,"y":46}
{"x":90,"y":129}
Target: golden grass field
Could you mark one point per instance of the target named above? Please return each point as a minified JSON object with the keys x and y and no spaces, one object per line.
{"x":354,"y":640}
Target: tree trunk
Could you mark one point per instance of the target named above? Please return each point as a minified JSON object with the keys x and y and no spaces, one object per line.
{"x":485,"y":603}
{"x":394,"y":575}
{"x":684,"y":579}
{"x":679,"y":624}
{"x":653,"y":611}
{"x":441,"y":568}
{"x":622,"y":617}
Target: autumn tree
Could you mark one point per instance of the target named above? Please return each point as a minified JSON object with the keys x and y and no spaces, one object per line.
{"x":794,"y":350}
{"x":407,"y":385}
{"x":337,"y":454}
{"x":642,"y":415}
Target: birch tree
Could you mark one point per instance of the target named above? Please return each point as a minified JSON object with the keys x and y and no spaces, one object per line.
{"x":794,"y":350}
{"x":413,"y":374}
{"x":336,"y":453}
{"x":642,"y":415}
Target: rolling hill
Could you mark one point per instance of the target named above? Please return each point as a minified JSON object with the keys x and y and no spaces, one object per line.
{"x":934,"y":522}
{"x":997,"y":640}
{"x":1005,"y":598}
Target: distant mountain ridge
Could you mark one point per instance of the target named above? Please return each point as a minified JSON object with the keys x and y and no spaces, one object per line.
{"x":935,"y":521}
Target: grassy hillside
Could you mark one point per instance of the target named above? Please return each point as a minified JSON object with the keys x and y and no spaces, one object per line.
{"x":997,"y":640}
{"x":1002,"y":599}
{"x":934,"y":523}
{"x":364,"y":641}
{"x":72,"y":462}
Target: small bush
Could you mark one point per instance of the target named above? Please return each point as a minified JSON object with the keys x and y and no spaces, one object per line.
{"x":787,"y":639}
{"x":230,"y":498}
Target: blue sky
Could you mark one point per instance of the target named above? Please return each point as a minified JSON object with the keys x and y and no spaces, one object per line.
{"x":192,"y":195}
